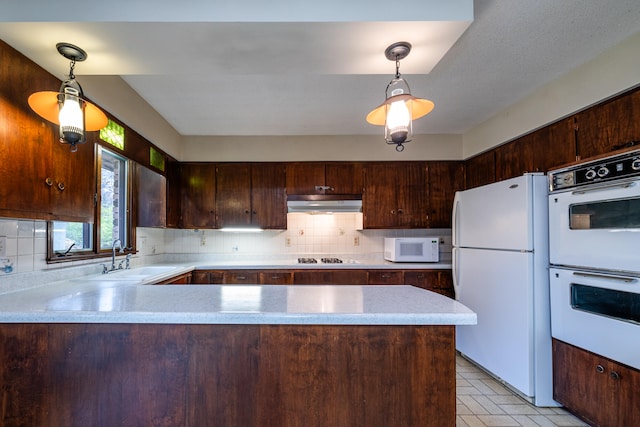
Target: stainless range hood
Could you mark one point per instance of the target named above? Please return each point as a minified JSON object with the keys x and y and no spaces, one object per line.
{"x":316,"y":203}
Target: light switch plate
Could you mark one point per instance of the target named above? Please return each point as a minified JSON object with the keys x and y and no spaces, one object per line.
{"x":3,"y":246}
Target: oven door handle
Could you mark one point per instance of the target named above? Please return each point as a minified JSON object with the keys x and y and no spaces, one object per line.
{"x":624,"y":279}
{"x":604,"y":187}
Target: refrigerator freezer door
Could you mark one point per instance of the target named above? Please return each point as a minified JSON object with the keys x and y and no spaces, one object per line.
{"x":498,"y":286}
{"x":497,"y":215}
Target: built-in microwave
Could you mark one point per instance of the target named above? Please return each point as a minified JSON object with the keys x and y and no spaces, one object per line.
{"x":411,"y":249}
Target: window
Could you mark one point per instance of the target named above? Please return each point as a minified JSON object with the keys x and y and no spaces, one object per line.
{"x":73,"y":240}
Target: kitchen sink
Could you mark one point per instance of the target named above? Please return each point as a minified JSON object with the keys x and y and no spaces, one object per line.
{"x":135,"y":274}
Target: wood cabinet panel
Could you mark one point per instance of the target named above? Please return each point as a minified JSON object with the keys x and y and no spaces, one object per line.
{"x":268,"y":196}
{"x":445,"y":178}
{"x":395,"y":195}
{"x":233,"y":194}
{"x":251,"y":195}
{"x":609,"y":126}
{"x":330,"y":277}
{"x":42,"y":178}
{"x":440,"y":281}
{"x":275,"y":277}
{"x":182,"y":279}
{"x":386,"y":277}
{"x":150,"y":189}
{"x":344,"y":177}
{"x":480,"y":170}
{"x":340,"y":177}
{"x":514,"y":159}
{"x":198,"y":201}
{"x":554,"y":145}
{"x":598,"y":390}
{"x":207,"y":277}
{"x":173,"y":193}
{"x":237,"y":375}
{"x":302,"y":178}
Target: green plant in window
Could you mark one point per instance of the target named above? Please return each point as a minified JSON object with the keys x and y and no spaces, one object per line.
{"x":113,"y":134}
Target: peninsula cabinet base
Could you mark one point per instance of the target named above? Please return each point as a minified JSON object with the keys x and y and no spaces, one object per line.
{"x":226,"y":375}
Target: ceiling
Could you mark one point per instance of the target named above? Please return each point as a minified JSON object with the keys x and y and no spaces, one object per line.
{"x":213,"y":67}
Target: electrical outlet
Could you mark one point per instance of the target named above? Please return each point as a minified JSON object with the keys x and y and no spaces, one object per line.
{"x":287,"y":241}
{"x":356,"y":240}
{"x":3,"y":246}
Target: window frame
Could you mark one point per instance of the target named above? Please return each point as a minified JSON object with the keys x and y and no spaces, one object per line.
{"x":96,"y":251}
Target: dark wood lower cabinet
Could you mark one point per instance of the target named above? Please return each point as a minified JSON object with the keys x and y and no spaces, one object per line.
{"x":599,"y":390}
{"x":182,"y":279}
{"x":439,"y":281}
{"x":226,"y":375}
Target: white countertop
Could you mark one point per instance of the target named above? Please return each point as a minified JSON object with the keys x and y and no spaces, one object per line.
{"x":114,"y":299}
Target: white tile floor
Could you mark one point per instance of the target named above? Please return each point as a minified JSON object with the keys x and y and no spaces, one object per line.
{"x":483,"y":401}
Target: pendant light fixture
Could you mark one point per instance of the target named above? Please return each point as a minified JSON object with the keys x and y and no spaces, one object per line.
{"x":400,"y":108}
{"x":67,"y":107}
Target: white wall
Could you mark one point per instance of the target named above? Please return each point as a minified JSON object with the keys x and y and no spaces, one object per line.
{"x":612,"y":72}
{"x":310,"y":148}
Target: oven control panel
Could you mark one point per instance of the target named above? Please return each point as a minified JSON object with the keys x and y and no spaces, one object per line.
{"x":623,"y":165}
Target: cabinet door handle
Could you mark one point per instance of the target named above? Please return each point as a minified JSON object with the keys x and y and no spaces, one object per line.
{"x":393,"y":211}
{"x":61,"y":186}
{"x":600,"y":369}
{"x":241,"y":277}
{"x":614,"y":375}
{"x":48,"y":181}
{"x":400,"y":210}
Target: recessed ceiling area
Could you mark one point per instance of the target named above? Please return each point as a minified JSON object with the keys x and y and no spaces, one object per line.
{"x":255,"y":68}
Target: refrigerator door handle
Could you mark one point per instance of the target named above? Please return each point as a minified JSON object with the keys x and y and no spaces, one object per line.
{"x":455,"y":220}
{"x":455,"y":271}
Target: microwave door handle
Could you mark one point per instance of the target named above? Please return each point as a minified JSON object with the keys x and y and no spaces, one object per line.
{"x":604,"y":187}
{"x":606,"y":277}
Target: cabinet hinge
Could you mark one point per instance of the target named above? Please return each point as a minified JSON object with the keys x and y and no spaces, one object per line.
{"x":95,"y":199}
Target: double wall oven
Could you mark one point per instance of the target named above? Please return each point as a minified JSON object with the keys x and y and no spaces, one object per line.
{"x":594,"y":252}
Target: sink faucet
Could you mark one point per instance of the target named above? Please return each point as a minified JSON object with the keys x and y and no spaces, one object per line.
{"x":113,"y":252}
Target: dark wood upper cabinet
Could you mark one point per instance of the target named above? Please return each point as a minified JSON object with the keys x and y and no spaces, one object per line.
{"x":198,"y":201}
{"x":268,"y":197}
{"x":233,"y":194}
{"x":395,"y":195}
{"x":339,"y":177}
{"x":480,"y":169}
{"x":173,"y":193}
{"x":251,"y":195}
{"x":554,"y":145}
{"x":42,"y":178}
{"x":150,"y":189}
{"x":609,"y":126}
{"x":445,"y":178}
{"x":514,"y":159}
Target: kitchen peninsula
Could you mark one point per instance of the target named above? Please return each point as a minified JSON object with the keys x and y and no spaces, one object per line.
{"x":117,"y":352}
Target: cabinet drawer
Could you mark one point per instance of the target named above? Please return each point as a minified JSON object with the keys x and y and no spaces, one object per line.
{"x":330,"y":277}
{"x":275,"y":277}
{"x":240,"y":277}
{"x":386,"y":277}
{"x":207,"y":277}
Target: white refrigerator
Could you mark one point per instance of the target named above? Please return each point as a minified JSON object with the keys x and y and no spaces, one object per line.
{"x":500,"y":270}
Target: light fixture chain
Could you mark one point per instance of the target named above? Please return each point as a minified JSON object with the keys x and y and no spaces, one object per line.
{"x":397,"y":68}
{"x":71,"y":67}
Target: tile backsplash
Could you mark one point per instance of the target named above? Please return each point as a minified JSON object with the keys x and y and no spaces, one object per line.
{"x":24,"y":245}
